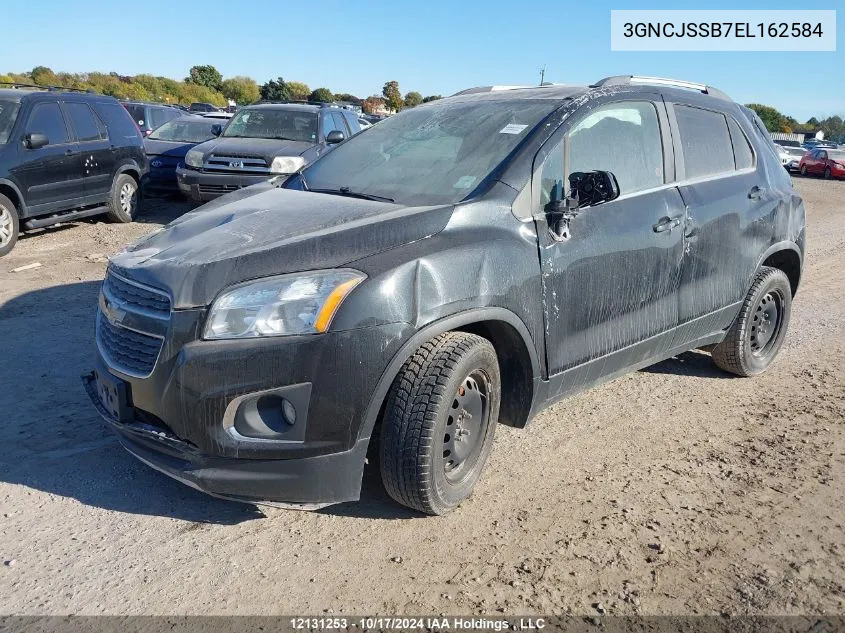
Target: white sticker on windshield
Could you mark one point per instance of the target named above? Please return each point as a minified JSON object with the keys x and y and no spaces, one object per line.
{"x":512,"y":128}
{"x":464,"y":182}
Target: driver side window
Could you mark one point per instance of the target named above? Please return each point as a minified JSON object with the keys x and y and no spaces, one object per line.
{"x":622,"y":138}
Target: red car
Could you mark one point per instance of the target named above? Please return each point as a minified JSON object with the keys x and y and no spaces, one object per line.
{"x":829,"y":163}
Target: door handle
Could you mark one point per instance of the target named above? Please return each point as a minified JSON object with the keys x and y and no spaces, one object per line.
{"x":756,"y":193}
{"x":667,"y":224}
{"x":70,"y":152}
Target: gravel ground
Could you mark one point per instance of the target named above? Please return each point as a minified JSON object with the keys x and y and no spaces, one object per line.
{"x":673,"y":490}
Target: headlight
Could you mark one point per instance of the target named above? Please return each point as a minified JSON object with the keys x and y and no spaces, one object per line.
{"x":193,"y":158}
{"x":301,"y":303}
{"x":286,"y":164}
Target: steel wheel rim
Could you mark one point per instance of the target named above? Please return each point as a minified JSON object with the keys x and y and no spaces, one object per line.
{"x":127,"y":199}
{"x":6,"y":226}
{"x":766,"y":323}
{"x":466,"y":426}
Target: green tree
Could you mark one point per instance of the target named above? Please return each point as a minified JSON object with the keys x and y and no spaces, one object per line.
{"x":44,"y":76}
{"x":392,"y":95}
{"x":413,"y":99}
{"x":432,"y":98}
{"x":241,"y":90}
{"x":812,"y":122}
{"x":321,"y":94}
{"x":275,"y":91}
{"x":772,"y":119}
{"x":207,"y":76}
{"x":345,"y":96}
{"x":299,"y":91}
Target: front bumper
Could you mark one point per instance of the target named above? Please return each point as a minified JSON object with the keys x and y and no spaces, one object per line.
{"x":202,"y":186}
{"x":194,"y":417}
{"x":311,"y":482}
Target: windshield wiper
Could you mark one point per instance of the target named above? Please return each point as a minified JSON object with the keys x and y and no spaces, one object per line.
{"x":345,"y":191}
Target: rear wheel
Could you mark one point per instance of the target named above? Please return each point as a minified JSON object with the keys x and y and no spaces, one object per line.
{"x":8,"y":225}
{"x":756,"y":336}
{"x":439,"y":423}
{"x":124,"y":199}
{"x":803,"y":170}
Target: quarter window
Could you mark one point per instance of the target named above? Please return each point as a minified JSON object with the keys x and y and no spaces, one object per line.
{"x":622,"y":138}
{"x":743,"y":156}
{"x":83,"y":122}
{"x":46,"y":118}
{"x":705,"y":141}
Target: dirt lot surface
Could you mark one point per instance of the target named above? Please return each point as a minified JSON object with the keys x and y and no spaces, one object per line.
{"x":677,"y":489}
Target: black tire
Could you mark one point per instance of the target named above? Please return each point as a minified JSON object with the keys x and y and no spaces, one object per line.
{"x":9,"y":225}
{"x":827,"y":173}
{"x":123,"y":201}
{"x":425,"y":464}
{"x":749,"y":348}
{"x":803,"y":170}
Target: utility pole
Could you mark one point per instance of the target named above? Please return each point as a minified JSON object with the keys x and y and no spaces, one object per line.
{"x":542,"y":74}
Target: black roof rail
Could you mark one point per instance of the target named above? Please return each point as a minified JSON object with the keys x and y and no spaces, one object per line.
{"x":625,"y":80}
{"x":17,"y":84}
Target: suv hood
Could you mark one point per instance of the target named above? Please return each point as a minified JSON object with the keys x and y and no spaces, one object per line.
{"x":266,"y":148}
{"x":263,"y":230}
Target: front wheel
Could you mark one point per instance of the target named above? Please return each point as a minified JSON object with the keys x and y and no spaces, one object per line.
{"x":756,"y":336}
{"x":439,"y":422}
{"x":123,"y":202}
{"x":8,"y":225}
{"x":827,"y":173}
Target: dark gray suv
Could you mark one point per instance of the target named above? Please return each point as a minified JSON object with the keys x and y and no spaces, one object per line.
{"x":462,"y":264}
{"x":261,"y":142}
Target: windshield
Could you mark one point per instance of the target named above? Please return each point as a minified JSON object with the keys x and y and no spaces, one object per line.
{"x":8,"y":112}
{"x":429,"y":154}
{"x":185,"y":131}
{"x":292,"y":125}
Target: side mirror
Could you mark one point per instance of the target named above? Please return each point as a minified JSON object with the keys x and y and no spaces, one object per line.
{"x":334,"y":137}
{"x":217,"y":129}
{"x":593,"y":187}
{"x":36,"y":140}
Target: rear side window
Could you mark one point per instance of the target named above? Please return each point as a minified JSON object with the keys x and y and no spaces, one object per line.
{"x":705,"y":141}
{"x":743,"y":155}
{"x":137,"y":113}
{"x":118,"y":120}
{"x":622,"y":138}
{"x":160,"y":116}
{"x":84,"y":122}
{"x":46,"y":118}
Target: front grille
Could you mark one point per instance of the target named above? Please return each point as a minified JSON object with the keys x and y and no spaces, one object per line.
{"x":128,"y":351}
{"x":132,"y":321}
{"x":218,"y":189}
{"x":236,"y":163}
{"x":117,"y":288}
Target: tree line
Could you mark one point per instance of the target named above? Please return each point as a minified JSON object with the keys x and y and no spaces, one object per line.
{"x":206,"y":84}
{"x":833,"y":126}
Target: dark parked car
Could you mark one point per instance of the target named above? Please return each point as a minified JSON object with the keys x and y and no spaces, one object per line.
{"x":203,"y":107}
{"x":166,"y":148}
{"x":261,"y":142}
{"x":64,"y":156}
{"x":464,"y":263}
{"x":150,"y":116}
{"x":828,"y":163}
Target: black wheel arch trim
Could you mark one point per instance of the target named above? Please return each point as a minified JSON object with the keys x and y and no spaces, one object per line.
{"x":20,"y":199}
{"x":777,"y":247}
{"x":469,"y":317}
